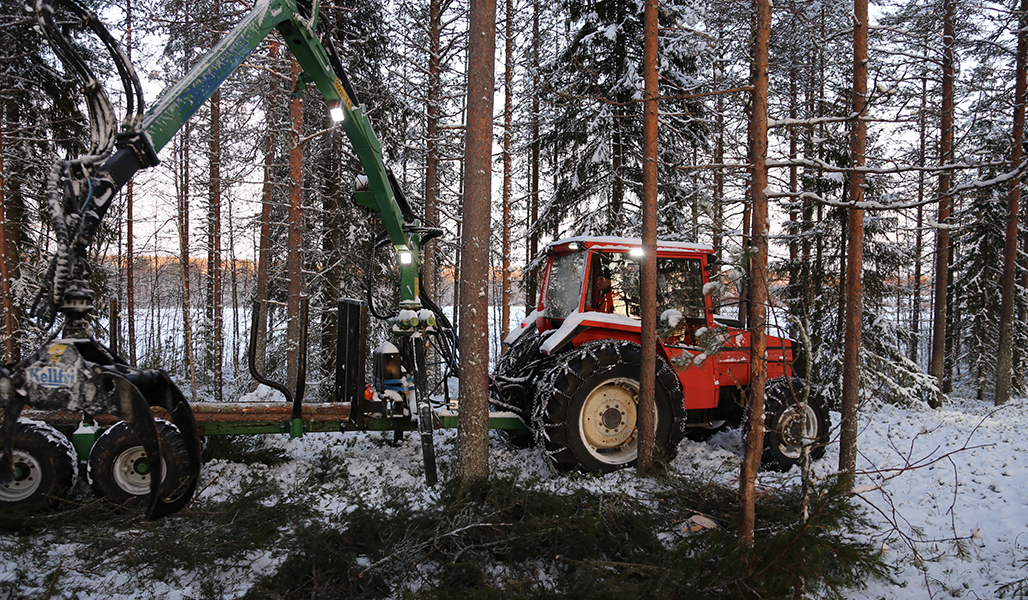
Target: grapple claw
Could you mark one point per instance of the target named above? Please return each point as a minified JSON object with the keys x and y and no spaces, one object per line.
{"x":158,"y":389}
{"x":61,"y":376}
{"x":136,"y":412}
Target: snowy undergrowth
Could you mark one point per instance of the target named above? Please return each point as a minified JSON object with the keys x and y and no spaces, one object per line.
{"x":943,"y":488}
{"x":947,"y":491}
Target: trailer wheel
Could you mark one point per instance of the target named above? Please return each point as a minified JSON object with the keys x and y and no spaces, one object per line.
{"x":790,"y":425}
{"x":589,"y":410}
{"x":45,"y":467}
{"x":118,"y":467}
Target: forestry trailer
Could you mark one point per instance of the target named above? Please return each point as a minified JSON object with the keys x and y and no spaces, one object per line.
{"x":569,"y":377}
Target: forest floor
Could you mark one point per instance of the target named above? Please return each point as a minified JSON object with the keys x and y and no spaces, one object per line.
{"x":944,"y":491}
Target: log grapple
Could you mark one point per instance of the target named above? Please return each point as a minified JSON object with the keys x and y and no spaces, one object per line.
{"x":72,"y":371}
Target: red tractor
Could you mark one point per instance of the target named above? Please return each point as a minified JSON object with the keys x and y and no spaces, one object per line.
{"x":571,"y":371}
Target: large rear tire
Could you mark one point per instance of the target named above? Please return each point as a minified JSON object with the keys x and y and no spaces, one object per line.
{"x":513,"y":385}
{"x":513,"y":381}
{"x":589,"y":408}
{"x":789,"y":424}
{"x":45,"y":467}
{"x":118,"y":467}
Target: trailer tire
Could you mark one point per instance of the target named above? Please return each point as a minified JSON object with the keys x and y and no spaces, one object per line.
{"x":117,"y":464}
{"x":785,"y":433}
{"x":45,"y":467}
{"x":587,"y":412}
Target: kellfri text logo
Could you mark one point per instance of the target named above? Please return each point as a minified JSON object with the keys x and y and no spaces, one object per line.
{"x":52,"y":376}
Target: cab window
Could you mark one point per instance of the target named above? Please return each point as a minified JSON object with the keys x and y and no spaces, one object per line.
{"x":613,"y":285}
{"x":564,"y":285}
{"x":681,"y":308}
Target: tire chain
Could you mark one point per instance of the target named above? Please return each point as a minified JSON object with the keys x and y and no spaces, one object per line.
{"x":786,"y":390}
{"x":590,"y":350}
{"x":521,"y":361}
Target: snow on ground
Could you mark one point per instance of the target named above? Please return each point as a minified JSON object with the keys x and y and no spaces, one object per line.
{"x":945,"y":489}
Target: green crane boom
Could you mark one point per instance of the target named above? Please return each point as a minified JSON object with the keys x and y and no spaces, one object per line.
{"x":317,"y":59}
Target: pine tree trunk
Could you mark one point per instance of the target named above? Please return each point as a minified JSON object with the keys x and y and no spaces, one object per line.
{"x":11,"y":350}
{"x":1020,"y":353}
{"x":508,"y":110}
{"x":794,"y":216}
{"x":915,"y":319}
{"x":267,"y":203}
{"x":332,"y":245}
{"x":294,"y":243}
{"x":617,"y":186}
{"x":840,"y":315}
{"x":1004,"y":365}
{"x":953,"y":320}
{"x":233,"y":279}
{"x":855,"y":256}
{"x":648,"y":335}
{"x":808,"y":270}
{"x":215,"y":313}
{"x":937,"y":367}
{"x":130,"y":276}
{"x":535,"y":166}
{"x":758,"y":296}
{"x":473,"y":428}
{"x":719,"y":173}
{"x":182,"y":195}
{"x":430,"y":265}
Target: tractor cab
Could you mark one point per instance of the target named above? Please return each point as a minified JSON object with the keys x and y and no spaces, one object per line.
{"x":597,"y":280}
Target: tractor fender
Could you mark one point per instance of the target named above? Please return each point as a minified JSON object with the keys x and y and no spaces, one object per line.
{"x":576,"y":322}
{"x":527,"y":325}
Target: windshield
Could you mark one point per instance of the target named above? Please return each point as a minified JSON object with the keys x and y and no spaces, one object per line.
{"x":564,"y":285}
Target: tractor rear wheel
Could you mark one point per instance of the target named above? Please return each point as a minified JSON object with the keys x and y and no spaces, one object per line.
{"x":118,"y":467}
{"x":790,"y":424}
{"x":513,"y":383}
{"x":589,"y":408}
{"x":45,"y":467}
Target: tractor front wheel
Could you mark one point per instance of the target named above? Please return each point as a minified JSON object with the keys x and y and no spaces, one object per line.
{"x":790,"y":423}
{"x":590,"y":409}
{"x":44,"y":467}
{"x":118,"y":467}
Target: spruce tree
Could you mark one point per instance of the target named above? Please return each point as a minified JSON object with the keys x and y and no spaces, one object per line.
{"x":595,"y":130}
{"x":40,"y":122}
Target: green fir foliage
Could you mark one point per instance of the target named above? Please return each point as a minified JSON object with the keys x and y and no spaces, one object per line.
{"x":978,"y":270}
{"x":594,"y":132}
{"x":506,"y":539}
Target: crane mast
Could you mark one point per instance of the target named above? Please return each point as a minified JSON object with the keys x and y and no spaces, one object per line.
{"x":75,"y":372}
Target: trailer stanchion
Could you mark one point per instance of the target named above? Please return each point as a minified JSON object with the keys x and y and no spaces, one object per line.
{"x":351,"y":357}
